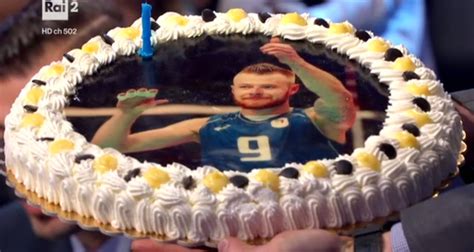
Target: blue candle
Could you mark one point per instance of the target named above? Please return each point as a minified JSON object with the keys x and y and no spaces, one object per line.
{"x":147,"y":50}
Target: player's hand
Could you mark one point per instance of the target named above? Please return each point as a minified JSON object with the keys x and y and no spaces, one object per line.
{"x":285,"y":53}
{"x":137,"y":101}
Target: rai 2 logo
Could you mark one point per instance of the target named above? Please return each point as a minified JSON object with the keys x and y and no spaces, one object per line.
{"x":58,"y":9}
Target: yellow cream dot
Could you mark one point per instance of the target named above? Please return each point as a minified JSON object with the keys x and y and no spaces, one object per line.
{"x":404,"y":64}
{"x":32,"y":120}
{"x":177,"y":20}
{"x":130,"y":33}
{"x":421,"y":118}
{"x":377,"y":45}
{"x":316,"y":168}
{"x":60,"y":145}
{"x":90,"y":48}
{"x":34,"y":95}
{"x":418,"y":90}
{"x":155,"y":177}
{"x":215,"y":181}
{"x":236,"y":14}
{"x":55,"y":70}
{"x":365,"y":159}
{"x":407,"y":140}
{"x":340,"y":28}
{"x":269,"y":179}
{"x":293,"y":18}
{"x":105,"y":163}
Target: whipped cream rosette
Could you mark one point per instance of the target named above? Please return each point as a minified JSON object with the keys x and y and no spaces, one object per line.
{"x":234,"y":21}
{"x":291,"y":26}
{"x":322,"y":204}
{"x":174,"y":200}
{"x":292,"y":202}
{"x":229,"y":199}
{"x":61,"y":151}
{"x":174,"y":25}
{"x":349,"y":190}
{"x":85,"y":59}
{"x":368,"y":173}
{"x":204,"y":218}
{"x":370,"y":52}
{"x":339,"y":36}
{"x":59,"y":77}
{"x":126,"y":40}
{"x":92,"y":55}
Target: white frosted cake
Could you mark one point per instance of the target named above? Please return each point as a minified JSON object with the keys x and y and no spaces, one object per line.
{"x":416,"y":149}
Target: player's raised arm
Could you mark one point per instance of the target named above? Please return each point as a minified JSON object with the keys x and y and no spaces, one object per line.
{"x":115,"y":132}
{"x":334,"y":108}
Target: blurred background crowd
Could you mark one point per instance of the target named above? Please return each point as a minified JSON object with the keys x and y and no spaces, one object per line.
{"x":436,"y":31}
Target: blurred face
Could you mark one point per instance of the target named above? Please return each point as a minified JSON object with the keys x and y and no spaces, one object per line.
{"x":262,"y":91}
{"x":47,"y":227}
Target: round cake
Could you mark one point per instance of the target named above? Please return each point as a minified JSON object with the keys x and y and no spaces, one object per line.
{"x":370,"y":130}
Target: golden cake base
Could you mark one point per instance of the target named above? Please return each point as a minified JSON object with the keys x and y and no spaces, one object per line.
{"x":89,"y":223}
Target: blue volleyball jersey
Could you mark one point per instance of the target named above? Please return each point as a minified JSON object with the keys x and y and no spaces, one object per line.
{"x":233,"y":142}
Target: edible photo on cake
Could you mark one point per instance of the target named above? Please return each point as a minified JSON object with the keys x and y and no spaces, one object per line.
{"x":231,"y":103}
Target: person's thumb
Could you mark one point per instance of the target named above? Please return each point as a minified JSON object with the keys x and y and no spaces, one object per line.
{"x":231,"y":244}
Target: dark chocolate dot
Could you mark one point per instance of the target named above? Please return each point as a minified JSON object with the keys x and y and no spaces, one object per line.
{"x":83,"y":157}
{"x":343,"y":167}
{"x":411,"y":128}
{"x":188,"y":183}
{"x":410,"y":75}
{"x":422,"y":103}
{"x":208,"y":15}
{"x":107,"y":39}
{"x":239,"y":181}
{"x":389,"y":150}
{"x":30,"y":108}
{"x":263,"y":16}
{"x":321,"y":22}
{"x":39,"y":82}
{"x":132,"y":174}
{"x":154,"y":26}
{"x":290,"y":172}
{"x":47,"y":139}
{"x":362,"y":35}
{"x":392,"y":54}
{"x":69,"y":57}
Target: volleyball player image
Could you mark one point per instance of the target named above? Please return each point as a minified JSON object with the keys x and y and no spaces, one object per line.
{"x":266,"y":131}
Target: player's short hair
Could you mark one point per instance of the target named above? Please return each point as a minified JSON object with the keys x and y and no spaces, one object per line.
{"x":267,"y":68}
